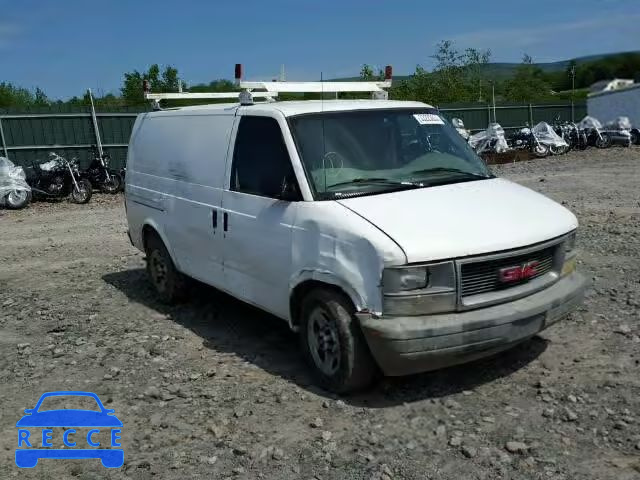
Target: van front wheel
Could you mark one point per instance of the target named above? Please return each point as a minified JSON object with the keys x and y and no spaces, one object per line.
{"x":333,"y":343}
{"x":169,"y":283}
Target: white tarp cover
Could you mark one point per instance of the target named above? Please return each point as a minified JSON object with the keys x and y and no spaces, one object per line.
{"x":11,"y":178}
{"x":547,"y":136}
{"x":458,"y":124}
{"x":620,"y":123}
{"x":481,"y":141}
{"x":590,"y":122}
{"x":48,"y":166}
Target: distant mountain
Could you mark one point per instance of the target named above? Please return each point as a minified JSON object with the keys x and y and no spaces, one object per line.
{"x":504,"y":70}
{"x":501,"y":70}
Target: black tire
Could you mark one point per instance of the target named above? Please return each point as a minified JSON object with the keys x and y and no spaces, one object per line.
{"x":349,"y":367}
{"x":540,"y":150}
{"x":83,"y":193}
{"x":114,"y":185}
{"x":17,"y":199}
{"x":604,"y":141}
{"x":583,"y":144}
{"x":555,"y":150}
{"x":169,"y":283}
{"x":635,"y":138}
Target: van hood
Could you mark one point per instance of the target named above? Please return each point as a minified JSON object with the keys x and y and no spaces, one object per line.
{"x":463,"y":219}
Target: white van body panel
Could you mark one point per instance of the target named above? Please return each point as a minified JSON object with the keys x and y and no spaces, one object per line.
{"x":175,"y":175}
{"x":464,"y":219}
{"x":333,"y":245}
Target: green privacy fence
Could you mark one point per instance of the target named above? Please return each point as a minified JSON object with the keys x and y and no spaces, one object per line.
{"x":513,"y":116}
{"x":26,"y":136}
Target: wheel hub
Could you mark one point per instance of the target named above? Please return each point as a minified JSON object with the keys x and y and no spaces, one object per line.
{"x":324,"y":341}
{"x":18,"y":196}
{"x":158,"y":270}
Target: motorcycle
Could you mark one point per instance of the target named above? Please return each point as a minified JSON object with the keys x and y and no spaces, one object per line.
{"x":491,"y":140}
{"x":596,"y":137}
{"x":621,"y":132}
{"x":59,"y":178}
{"x":524,"y":139}
{"x":15,"y":193}
{"x":546,"y":135}
{"x":570,"y":133}
{"x":100,"y":175}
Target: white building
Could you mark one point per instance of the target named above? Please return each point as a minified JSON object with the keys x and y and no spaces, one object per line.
{"x":622,"y":102}
{"x":609,"y":85}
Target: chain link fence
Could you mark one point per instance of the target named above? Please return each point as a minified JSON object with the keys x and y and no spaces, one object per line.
{"x":26,"y":136}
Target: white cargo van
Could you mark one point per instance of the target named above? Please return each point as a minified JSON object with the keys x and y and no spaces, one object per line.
{"x":369,"y":226}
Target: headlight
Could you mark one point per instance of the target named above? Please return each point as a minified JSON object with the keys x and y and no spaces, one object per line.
{"x":419,"y":290}
{"x":435,"y":278}
{"x":397,"y":280}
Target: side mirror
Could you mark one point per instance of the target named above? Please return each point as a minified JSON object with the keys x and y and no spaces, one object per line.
{"x":289,"y":191}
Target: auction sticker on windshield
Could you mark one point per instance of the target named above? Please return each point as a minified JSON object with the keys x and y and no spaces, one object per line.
{"x":428,"y":119}
{"x":54,"y":430}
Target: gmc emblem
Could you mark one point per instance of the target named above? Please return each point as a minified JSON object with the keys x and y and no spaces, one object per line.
{"x":518,"y":273}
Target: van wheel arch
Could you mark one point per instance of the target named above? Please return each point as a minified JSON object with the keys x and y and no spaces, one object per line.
{"x":173,"y":286}
{"x":147,"y":232}
{"x":303,"y":289}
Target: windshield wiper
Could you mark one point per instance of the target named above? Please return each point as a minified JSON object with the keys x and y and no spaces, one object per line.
{"x":377,"y":181}
{"x":451,"y":170}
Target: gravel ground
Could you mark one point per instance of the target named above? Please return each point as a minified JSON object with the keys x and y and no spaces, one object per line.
{"x":216,"y":389}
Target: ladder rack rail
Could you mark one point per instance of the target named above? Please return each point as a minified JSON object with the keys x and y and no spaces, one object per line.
{"x":271,"y":90}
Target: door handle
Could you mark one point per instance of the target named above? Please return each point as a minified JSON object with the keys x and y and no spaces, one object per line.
{"x":225,"y":221}
{"x":214,"y":219}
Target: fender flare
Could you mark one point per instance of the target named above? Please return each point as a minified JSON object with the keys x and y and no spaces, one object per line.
{"x":329,"y":278}
{"x":150,"y":222}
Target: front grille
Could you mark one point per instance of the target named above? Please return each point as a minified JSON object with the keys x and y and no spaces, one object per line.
{"x":483,"y":276}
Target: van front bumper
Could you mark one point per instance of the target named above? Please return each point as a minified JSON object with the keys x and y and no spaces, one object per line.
{"x":406,"y":345}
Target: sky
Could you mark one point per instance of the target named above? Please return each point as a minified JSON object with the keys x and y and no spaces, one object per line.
{"x":67,"y":46}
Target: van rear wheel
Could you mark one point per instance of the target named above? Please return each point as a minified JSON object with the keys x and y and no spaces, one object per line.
{"x":333,"y":343}
{"x":169,"y":283}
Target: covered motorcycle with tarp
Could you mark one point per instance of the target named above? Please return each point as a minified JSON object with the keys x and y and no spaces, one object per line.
{"x":525,"y":140}
{"x":491,"y":140}
{"x":622,"y":131}
{"x":15,"y":192}
{"x":596,"y":137}
{"x":458,"y":124}
{"x":546,"y":135}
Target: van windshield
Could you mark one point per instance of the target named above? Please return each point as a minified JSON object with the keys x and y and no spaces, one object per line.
{"x":374,"y":151}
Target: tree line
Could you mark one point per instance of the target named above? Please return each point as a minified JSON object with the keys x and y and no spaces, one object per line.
{"x":458,"y":76}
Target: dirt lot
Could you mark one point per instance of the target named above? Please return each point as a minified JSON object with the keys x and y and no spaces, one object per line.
{"x":215,"y":389}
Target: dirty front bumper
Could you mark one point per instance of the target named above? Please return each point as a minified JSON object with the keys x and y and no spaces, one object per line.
{"x":405,"y":345}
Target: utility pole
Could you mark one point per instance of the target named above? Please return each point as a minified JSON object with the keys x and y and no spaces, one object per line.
{"x":96,"y":129}
{"x":493,"y":95}
{"x":573,"y":92}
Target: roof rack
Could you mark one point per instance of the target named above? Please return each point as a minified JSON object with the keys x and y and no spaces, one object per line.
{"x":271,"y":90}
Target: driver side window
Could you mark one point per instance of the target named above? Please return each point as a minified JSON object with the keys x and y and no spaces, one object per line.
{"x":261,"y":164}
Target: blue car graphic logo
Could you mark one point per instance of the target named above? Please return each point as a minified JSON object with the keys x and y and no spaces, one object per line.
{"x":35,"y":433}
